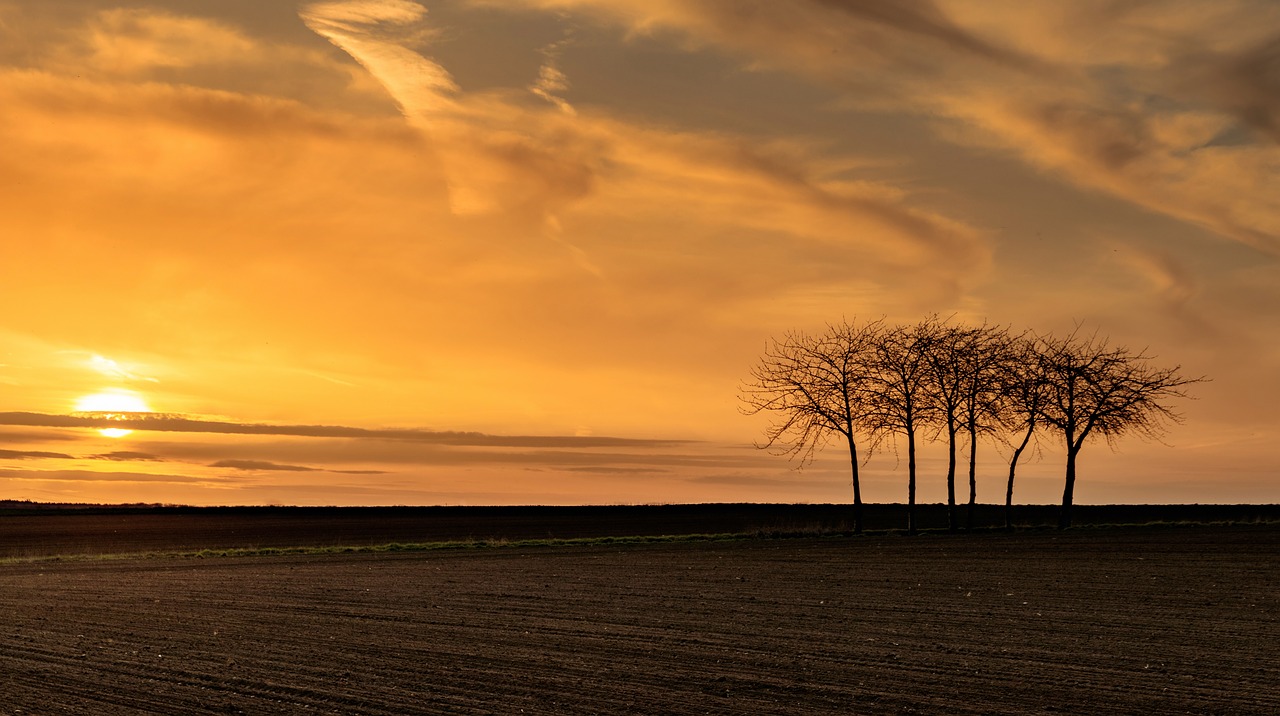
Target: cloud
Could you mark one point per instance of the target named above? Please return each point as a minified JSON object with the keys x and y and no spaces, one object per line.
{"x":166,"y":47}
{"x":590,"y":246}
{"x":923,"y":19}
{"x":610,"y":470}
{"x":1102,"y":94}
{"x":782,"y":188}
{"x":171,"y":423}
{"x":127,"y":455}
{"x":490,"y":168}
{"x":1162,"y":161}
{"x":129,"y":40}
{"x":1173,"y":282}
{"x":260,"y":465}
{"x":89,"y":476}
{"x":31,"y":455}
{"x":756,"y":481}
{"x":33,"y":436}
{"x":371,"y":31}
{"x":552,"y":82}
{"x":1176,"y":294}
{"x":335,"y":455}
{"x":504,"y":156}
{"x":113,"y":369}
{"x":869,"y":45}
{"x":1248,"y":84}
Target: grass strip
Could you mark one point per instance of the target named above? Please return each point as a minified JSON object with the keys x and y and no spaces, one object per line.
{"x":783,"y":533}
{"x":390,"y":547}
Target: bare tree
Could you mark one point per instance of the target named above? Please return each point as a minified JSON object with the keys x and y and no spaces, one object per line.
{"x":819,"y":386}
{"x":946,"y":350}
{"x":1092,"y":389}
{"x":901,"y":400}
{"x":1022,"y":394}
{"x":984,"y":356}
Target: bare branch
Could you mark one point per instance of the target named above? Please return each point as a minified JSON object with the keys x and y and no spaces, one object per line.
{"x":818,"y":388}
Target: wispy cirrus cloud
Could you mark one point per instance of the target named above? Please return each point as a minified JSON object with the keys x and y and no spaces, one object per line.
{"x":1122,"y":99}
{"x":503,"y":155}
{"x":1166,"y":162}
{"x":873,"y":45}
{"x":552,"y":82}
{"x":530,"y":211}
{"x":374,"y":32}
{"x":113,"y":369}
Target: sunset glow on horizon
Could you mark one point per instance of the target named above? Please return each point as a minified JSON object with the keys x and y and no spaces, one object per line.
{"x":525,"y":251}
{"x":114,"y":402}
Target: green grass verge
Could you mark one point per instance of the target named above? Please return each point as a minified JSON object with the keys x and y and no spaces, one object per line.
{"x":390,"y":547}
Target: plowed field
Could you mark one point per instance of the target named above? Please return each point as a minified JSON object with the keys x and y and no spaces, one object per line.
{"x":1121,"y":621}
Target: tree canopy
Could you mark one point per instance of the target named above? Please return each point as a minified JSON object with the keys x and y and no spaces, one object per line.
{"x":866,"y":382}
{"x":818,"y":388}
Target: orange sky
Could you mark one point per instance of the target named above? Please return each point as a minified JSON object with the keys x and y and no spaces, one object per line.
{"x":580,"y":221}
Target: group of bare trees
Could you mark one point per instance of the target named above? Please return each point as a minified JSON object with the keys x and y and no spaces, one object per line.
{"x":866,"y":383}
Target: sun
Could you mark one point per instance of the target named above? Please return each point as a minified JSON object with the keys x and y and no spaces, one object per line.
{"x":115,"y":404}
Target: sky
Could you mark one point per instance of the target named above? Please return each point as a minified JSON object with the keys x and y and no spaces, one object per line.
{"x":369,"y":252}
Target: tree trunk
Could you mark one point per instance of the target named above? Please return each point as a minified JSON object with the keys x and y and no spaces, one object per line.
{"x":911,"y":481}
{"x":1068,"y":493}
{"x":973,"y":474}
{"x":1013,"y":466}
{"x":857,"y":488}
{"x":953,"y":522}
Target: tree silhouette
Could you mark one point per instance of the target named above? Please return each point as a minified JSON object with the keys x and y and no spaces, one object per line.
{"x":1022,"y":393}
{"x":864,"y":382}
{"x":819,"y":387}
{"x":901,"y":401}
{"x":986,"y":357}
{"x":1092,"y":389}
{"x":946,"y":350}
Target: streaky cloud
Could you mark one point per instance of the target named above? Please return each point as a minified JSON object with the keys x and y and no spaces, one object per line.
{"x":33,"y":436}
{"x":552,"y":82}
{"x":926,"y":20}
{"x":369,"y":31}
{"x":127,"y":455}
{"x":752,"y":481}
{"x":165,"y":422}
{"x":608,"y":470}
{"x":93,"y":476}
{"x":261,"y":465}
{"x":32,"y":455}
{"x":1245,"y":82}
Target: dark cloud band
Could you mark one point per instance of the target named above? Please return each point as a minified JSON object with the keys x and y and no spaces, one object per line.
{"x":164,"y":422}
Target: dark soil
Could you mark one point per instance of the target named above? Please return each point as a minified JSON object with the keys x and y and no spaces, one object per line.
{"x":1121,"y":621}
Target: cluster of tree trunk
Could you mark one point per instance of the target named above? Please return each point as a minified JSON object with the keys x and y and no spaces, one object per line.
{"x":865,"y":383}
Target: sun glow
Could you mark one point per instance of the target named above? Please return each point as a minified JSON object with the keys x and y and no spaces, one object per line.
{"x":115,"y":404}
